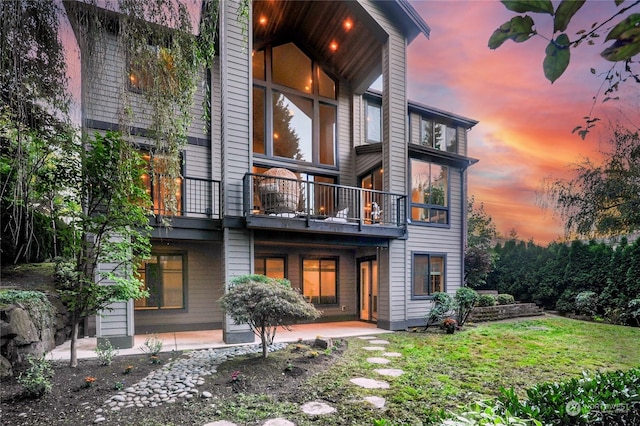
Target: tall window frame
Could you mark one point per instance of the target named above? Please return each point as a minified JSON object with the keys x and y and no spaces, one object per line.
{"x":430,"y":189}
{"x":428,"y":274}
{"x":373,"y":120}
{"x":327,"y":271}
{"x":164,"y":275}
{"x":157,"y":187}
{"x":270,"y":95}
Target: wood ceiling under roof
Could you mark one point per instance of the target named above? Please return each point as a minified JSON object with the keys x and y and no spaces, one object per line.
{"x":315,"y":25}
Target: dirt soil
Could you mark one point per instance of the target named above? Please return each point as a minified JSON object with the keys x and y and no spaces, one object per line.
{"x":72,"y":402}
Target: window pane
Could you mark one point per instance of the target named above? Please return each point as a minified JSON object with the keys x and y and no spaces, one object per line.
{"x":420,"y":275}
{"x":274,"y":267}
{"x":163,"y":277}
{"x":311,"y":280}
{"x":258,"y":120}
{"x":420,"y":180}
{"x":258,"y":65}
{"x":292,"y":68}
{"x":439,"y":182}
{"x":374,"y":114}
{"x":320,"y":280}
{"x":440,"y":133}
{"x":164,"y":189}
{"x":327,"y":134}
{"x":452,"y":139}
{"x":172,"y":294}
{"x":259,"y":266}
{"x":437,"y":274}
{"x":292,"y":127}
{"x":326,"y":85}
{"x":426,"y":133}
{"x":328,"y":282}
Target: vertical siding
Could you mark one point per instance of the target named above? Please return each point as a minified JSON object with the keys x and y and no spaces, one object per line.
{"x":345,"y":155}
{"x":359,"y":117}
{"x":462,"y":141}
{"x":414,"y":130}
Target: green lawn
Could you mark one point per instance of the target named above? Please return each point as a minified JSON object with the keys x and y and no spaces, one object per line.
{"x":443,"y":371}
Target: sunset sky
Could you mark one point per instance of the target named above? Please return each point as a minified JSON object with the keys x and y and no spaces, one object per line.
{"x":524,"y":134}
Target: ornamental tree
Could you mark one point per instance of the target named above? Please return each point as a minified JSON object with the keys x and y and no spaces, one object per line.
{"x":265,"y":304}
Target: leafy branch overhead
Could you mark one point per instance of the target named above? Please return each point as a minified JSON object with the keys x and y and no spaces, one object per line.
{"x":625,"y":35}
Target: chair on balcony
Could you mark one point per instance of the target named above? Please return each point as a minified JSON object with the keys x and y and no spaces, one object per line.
{"x":280,"y":192}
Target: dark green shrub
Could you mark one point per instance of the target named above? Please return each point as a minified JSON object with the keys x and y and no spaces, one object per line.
{"x":587,"y":303}
{"x":567,"y":302}
{"x":465,"y":299}
{"x":505,"y":299}
{"x":590,"y":396}
{"x":442,"y":307}
{"x":265,"y":304}
{"x":486,"y":300}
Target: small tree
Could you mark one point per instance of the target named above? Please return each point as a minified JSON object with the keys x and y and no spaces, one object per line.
{"x":265,"y":303}
{"x":465,"y":300}
{"x":107,"y":211}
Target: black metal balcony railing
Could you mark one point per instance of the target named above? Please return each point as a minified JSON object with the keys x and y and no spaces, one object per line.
{"x":290,"y":198}
{"x":196,"y":198}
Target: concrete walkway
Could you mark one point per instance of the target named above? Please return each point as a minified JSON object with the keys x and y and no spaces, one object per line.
{"x":189,"y":340}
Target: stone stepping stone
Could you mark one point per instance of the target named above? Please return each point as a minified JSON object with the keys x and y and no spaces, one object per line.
{"x":369,"y":383}
{"x":393,"y":372}
{"x":392,"y":354}
{"x":366,"y":337}
{"x":221,"y":423}
{"x":315,"y":408}
{"x":278,"y":422}
{"x":379,"y":342}
{"x":375,"y":360}
{"x":376,"y":401}
{"x":373,"y":348}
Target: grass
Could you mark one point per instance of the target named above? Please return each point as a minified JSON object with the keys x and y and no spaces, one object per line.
{"x":444,"y":372}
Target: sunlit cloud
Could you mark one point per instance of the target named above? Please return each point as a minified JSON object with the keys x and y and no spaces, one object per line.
{"x":524,"y":135}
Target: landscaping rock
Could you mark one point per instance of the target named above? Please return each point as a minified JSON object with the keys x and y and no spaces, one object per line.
{"x":369,"y":383}
{"x":373,"y":348}
{"x":392,"y":372}
{"x":278,"y":422}
{"x":379,"y":342}
{"x":323,"y":342}
{"x":5,"y":368}
{"x":376,"y":401}
{"x":375,"y":360}
{"x":315,"y":408}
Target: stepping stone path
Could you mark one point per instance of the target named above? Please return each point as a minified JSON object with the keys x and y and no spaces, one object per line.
{"x":177,"y":381}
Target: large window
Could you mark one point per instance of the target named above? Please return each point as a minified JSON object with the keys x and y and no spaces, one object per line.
{"x":163,"y":276}
{"x":294,"y":107}
{"x":373,"y":201}
{"x":428,"y":274}
{"x":272,"y":267}
{"x":429,"y":192}
{"x":160,"y":187}
{"x":320,"y":280}
{"x":438,"y":135}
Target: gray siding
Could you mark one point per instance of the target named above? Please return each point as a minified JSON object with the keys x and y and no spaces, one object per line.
{"x":438,"y":240}
{"x":204,"y":287}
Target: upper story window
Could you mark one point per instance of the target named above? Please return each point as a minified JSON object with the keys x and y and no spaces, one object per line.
{"x":373,"y":111}
{"x":438,"y":135}
{"x":429,"y":192}
{"x":152,"y":66}
{"x":294,"y":107}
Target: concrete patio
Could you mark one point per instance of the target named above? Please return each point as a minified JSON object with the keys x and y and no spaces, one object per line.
{"x":190,"y":340}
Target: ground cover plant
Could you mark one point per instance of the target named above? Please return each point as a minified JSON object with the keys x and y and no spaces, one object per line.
{"x":442,"y":374}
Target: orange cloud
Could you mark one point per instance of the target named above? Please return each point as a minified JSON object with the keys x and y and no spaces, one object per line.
{"x":524,"y":134}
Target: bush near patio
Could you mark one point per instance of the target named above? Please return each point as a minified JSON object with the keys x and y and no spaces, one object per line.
{"x":554,"y":276}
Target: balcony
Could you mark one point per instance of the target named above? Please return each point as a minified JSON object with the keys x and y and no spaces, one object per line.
{"x":287,"y":204}
{"x":199,"y":215}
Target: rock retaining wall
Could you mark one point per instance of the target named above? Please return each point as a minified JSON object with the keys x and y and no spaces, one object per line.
{"x":25,"y":331}
{"x":499,"y":312}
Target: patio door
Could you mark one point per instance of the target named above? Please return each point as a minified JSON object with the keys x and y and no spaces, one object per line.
{"x":368,"y":283}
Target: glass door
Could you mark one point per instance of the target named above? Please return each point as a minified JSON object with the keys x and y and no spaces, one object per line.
{"x":368,"y":282}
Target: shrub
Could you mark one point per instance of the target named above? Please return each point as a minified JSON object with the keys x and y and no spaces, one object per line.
{"x":547,"y":402}
{"x":505,"y":299}
{"x":482,"y":414}
{"x":106,"y":352}
{"x":567,"y":302}
{"x":486,"y":300}
{"x":587,"y":303}
{"x":633,"y":310}
{"x":36,"y":380}
{"x":152,"y":345}
{"x":465,"y":299}
{"x":264,"y":304}
{"x":442,"y":306}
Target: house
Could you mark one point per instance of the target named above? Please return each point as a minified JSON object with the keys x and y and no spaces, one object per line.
{"x":357,"y":196}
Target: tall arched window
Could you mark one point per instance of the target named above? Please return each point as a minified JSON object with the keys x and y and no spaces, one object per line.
{"x":294,"y":107}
